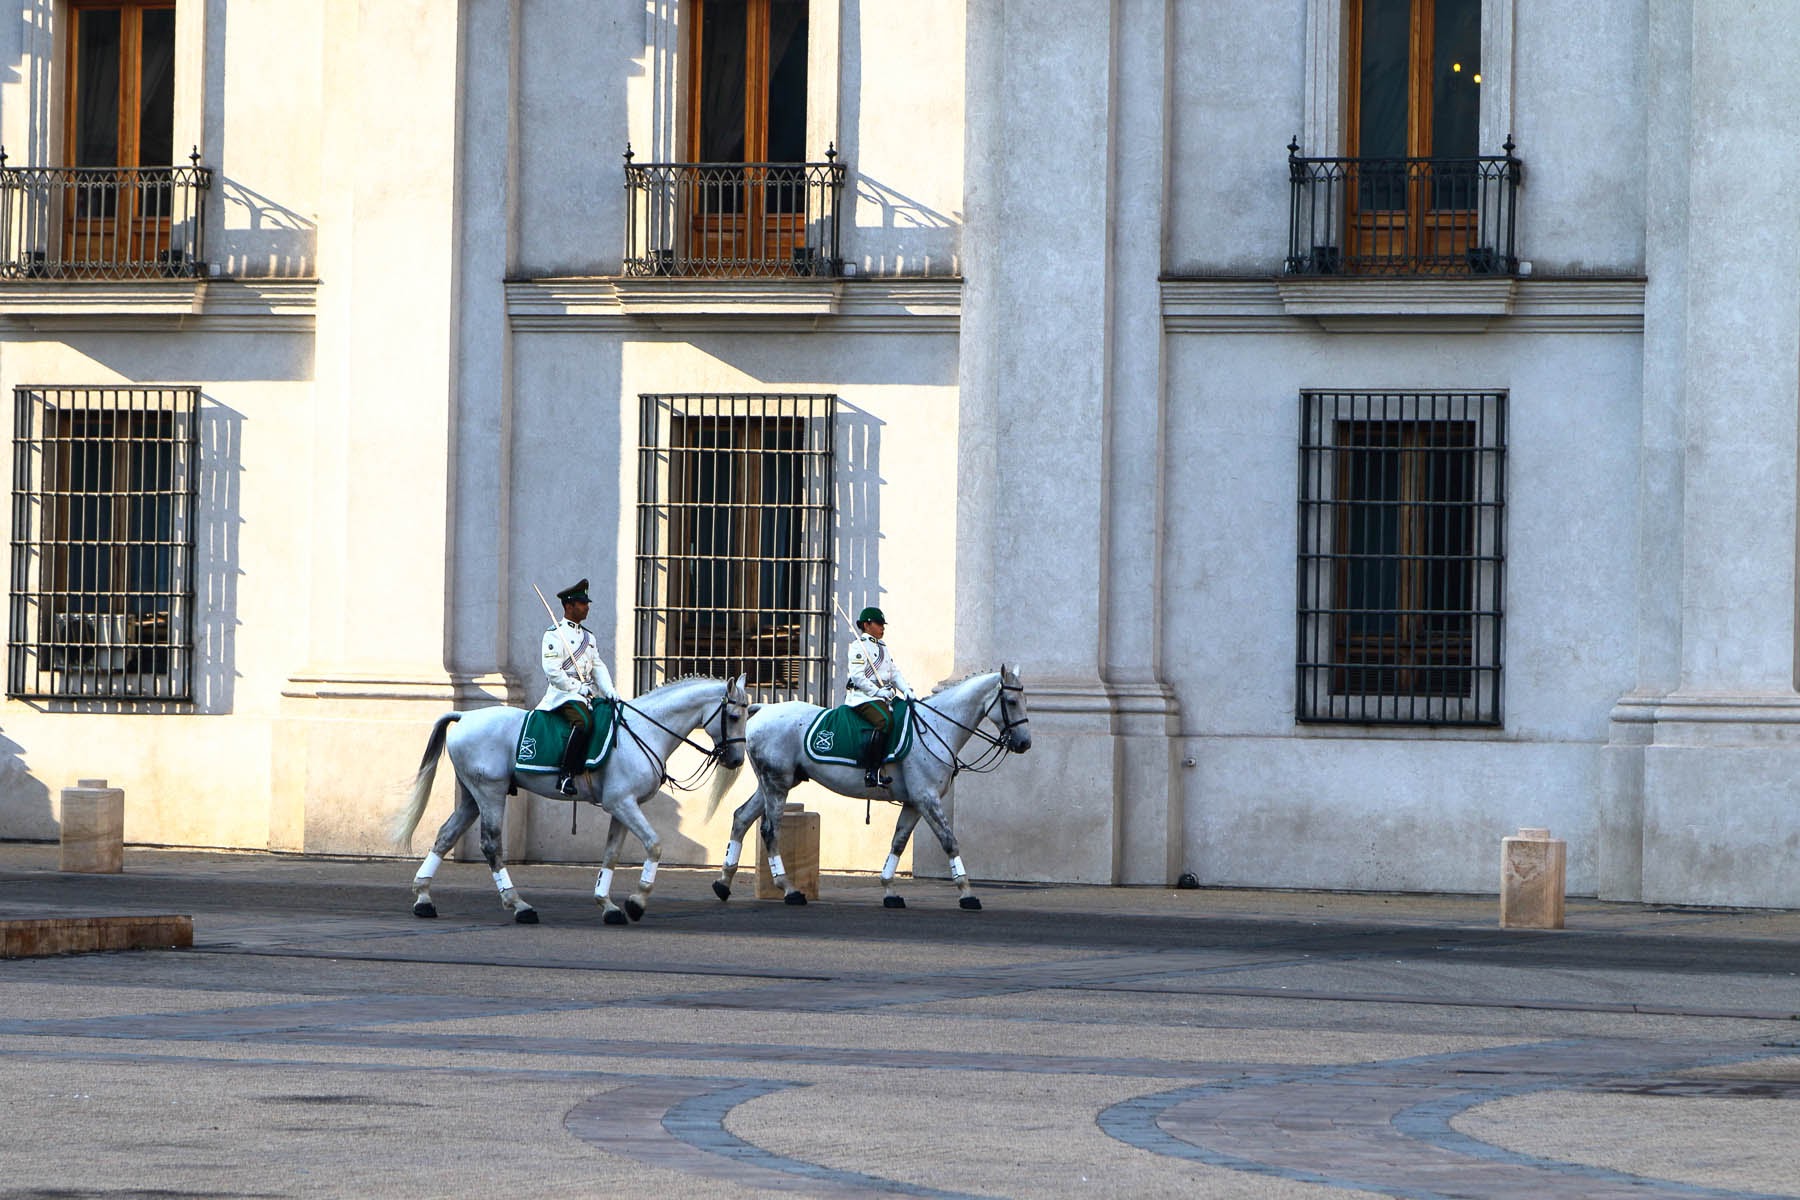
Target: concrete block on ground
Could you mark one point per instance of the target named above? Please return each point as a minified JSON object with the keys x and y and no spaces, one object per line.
{"x":93,"y":828}
{"x":1533,"y":874}
{"x":799,"y":854}
{"x":37,"y":937}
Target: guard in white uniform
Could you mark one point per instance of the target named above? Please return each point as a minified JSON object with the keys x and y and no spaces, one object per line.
{"x":871,"y":685}
{"x":576,"y":677}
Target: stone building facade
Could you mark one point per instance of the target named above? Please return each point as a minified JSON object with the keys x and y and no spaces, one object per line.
{"x":1370,"y":424}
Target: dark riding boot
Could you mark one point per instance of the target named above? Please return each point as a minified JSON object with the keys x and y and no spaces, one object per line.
{"x":874,"y":748}
{"x":572,"y":760}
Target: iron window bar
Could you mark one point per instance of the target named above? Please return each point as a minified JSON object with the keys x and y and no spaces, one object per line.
{"x":1403,"y":216}
{"x":105,"y":481}
{"x":717,"y":220}
{"x":1401,"y":558}
{"x":103,"y":222}
{"x":735,"y":506}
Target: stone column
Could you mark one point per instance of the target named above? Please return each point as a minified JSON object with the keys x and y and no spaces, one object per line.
{"x":1061,"y":455}
{"x":1707,"y":748}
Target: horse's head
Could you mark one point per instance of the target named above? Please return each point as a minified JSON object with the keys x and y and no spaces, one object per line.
{"x":727,"y":728}
{"x":1014,"y":721}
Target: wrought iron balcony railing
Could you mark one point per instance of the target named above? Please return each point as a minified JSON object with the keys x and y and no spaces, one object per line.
{"x":733,"y":219}
{"x":1403,"y":216}
{"x":102,"y":222}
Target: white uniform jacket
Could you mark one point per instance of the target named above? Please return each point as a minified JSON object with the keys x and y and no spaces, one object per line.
{"x":572,"y":664}
{"x":873,"y":673}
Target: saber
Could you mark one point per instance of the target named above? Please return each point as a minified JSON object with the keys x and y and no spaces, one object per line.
{"x":556,"y":624}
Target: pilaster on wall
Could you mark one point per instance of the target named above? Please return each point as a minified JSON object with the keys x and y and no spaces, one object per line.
{"x":1704,"y":753}
{"x":353,"y":720}
{"x":1062,"y":364}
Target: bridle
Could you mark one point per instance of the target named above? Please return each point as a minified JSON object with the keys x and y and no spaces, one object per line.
{"x":997,"y":748}
{"x":724,"y":710}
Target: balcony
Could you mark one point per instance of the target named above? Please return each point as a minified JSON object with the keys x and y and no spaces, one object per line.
{"x":1430,"y":217}
{"x":102,"y":223}
{"x":733,"y":220}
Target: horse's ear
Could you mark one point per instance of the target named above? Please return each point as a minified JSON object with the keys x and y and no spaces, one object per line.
{"x":740,"y":685}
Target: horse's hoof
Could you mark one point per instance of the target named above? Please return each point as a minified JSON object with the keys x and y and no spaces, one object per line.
{"x":794,"y":898}
{"x":893,"y":902}
{"x":633,"y":909}
{"x":424,"y":908}
{"x":525,"y":916}
{"x":972,"y":903}
{"x":614,"y":917}
{"x":721,"y":891}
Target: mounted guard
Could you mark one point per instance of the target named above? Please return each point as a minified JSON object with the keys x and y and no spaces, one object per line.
{"x":872,"y":684}
{"x":577,"y":678}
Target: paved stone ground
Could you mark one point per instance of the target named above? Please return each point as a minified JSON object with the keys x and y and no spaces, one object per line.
{"x":318,"y":1040}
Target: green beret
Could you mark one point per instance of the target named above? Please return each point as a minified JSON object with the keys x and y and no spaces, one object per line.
{"x":870,"y":614}
{"x":574,"y":595}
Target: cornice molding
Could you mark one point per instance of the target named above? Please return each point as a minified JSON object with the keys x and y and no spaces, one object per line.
{"x":161,"y":306}
{"x":1284,"y":304}
{"x":678,"y":306}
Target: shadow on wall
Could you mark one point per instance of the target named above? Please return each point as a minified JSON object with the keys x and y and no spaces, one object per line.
{"x":261,"y":239}
{"x":25,"y":812}
{"x":856,"y":547}
{"x":35,"y":42}
{"x":914,"y":238}
{"x":217,"y":523}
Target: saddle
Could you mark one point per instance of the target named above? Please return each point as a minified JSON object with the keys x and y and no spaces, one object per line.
{"x":835,"y":737}
{"x":544,"y":735}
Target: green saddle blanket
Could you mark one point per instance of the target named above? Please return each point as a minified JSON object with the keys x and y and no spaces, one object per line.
{"x":836,"y":735}
{"x":544,"y":735}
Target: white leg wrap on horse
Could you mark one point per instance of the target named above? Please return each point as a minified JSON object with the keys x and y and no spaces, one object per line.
{"x":648,"y":876}
{"x":775,"y":866}
{"x":732,"y":850}
{"x":502,"y":880}
{"x":603,"y":885}
{"x":429,"y":867}
{"x":956,"y":868}
{"x":889,"y":867}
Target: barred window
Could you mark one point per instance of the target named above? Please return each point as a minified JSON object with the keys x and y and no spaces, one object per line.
{"x":1401,"y":502}
{"x":734,"y":536}
{"x":104,"y":483}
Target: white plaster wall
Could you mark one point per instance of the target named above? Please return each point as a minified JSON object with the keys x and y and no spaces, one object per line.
{"x":1569,"y":652}
{"x":1238,"y":94}
{"x":264,"y":100}
{"x":1579,"y":120}
{"x":197,"y":777}
{"x":574,"y":506}
{"x":901,"y":121}
{"x":575,"y":60}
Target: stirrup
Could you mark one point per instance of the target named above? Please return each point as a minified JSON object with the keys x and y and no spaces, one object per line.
{"x":872,"y":778}
{"x":566,"y":785}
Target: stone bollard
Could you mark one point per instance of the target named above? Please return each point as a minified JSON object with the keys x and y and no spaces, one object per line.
{"x":1532,"y":875}
{"x":799,"y":854}
{"x":93,"y":828}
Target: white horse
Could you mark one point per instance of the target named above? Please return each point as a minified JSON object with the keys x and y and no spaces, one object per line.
{"x":942,"y":724}
{"x":482,"y":745}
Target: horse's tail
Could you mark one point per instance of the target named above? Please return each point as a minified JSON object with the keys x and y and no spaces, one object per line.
{"x":408,"y":818}
{"x":722,"y":780}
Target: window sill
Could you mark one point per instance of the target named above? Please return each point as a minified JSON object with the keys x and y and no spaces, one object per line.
{"x":1353,"y":302}
{"x":218,"y":305}
{"x":628,"y":304}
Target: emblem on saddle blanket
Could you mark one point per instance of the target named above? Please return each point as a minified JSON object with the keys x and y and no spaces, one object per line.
{"x":544,"y":735}
{"x":836,"y":735}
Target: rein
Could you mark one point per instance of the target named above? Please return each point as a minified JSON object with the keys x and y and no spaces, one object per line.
{"x":712,"y":755}
{"x":997,"y":749}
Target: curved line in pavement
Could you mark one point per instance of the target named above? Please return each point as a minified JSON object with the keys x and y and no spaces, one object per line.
{"x":1369,"y":1122}
{"x":679,"y":1124}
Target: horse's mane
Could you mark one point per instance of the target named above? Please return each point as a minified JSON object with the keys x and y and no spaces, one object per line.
{"x":944,"y":687}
